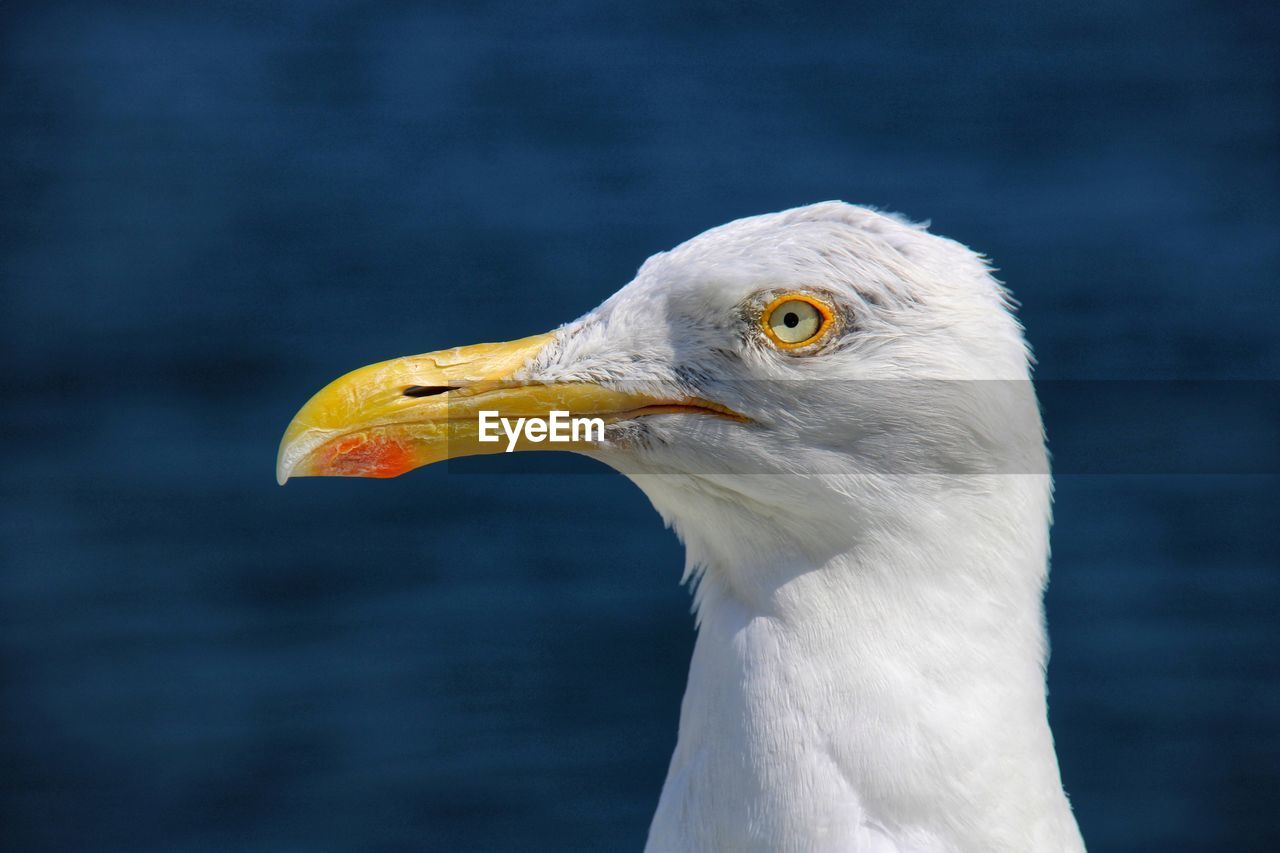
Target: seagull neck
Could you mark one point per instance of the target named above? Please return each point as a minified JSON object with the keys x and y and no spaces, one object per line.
{"x":898,"y":683}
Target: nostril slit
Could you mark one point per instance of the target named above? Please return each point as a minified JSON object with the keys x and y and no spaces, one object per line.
{"x":425,"y":390}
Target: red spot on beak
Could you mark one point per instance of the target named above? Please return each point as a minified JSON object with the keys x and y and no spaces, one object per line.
{"x":363,"y":455}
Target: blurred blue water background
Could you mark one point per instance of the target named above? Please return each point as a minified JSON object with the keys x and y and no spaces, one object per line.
{"x":209,"y":210}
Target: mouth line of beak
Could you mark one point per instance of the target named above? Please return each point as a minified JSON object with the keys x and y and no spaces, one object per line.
{"x":469,"y":393}
{"x":474,"y":396}
{"x":658,"y":406}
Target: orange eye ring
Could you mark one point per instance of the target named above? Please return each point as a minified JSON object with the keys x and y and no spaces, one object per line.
{"x":822,"y":320}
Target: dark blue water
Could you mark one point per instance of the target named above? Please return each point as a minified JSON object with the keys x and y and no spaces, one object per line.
{"x":210,"y":210}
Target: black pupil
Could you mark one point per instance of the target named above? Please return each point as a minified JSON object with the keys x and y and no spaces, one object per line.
{"x":791,"y":319}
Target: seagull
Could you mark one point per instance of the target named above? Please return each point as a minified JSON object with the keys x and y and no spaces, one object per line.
{"x":832,"y":408}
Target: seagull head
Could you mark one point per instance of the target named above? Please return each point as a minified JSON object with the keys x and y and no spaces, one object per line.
{"x":805,"y":366}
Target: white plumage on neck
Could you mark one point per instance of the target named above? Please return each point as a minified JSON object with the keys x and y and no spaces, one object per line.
{"x":889,"y":696}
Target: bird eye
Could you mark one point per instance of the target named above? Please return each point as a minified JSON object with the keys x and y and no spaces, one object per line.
{"x":794,"y":320}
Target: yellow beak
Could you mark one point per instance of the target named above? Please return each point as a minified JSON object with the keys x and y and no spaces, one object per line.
{"x":389,"y":418}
